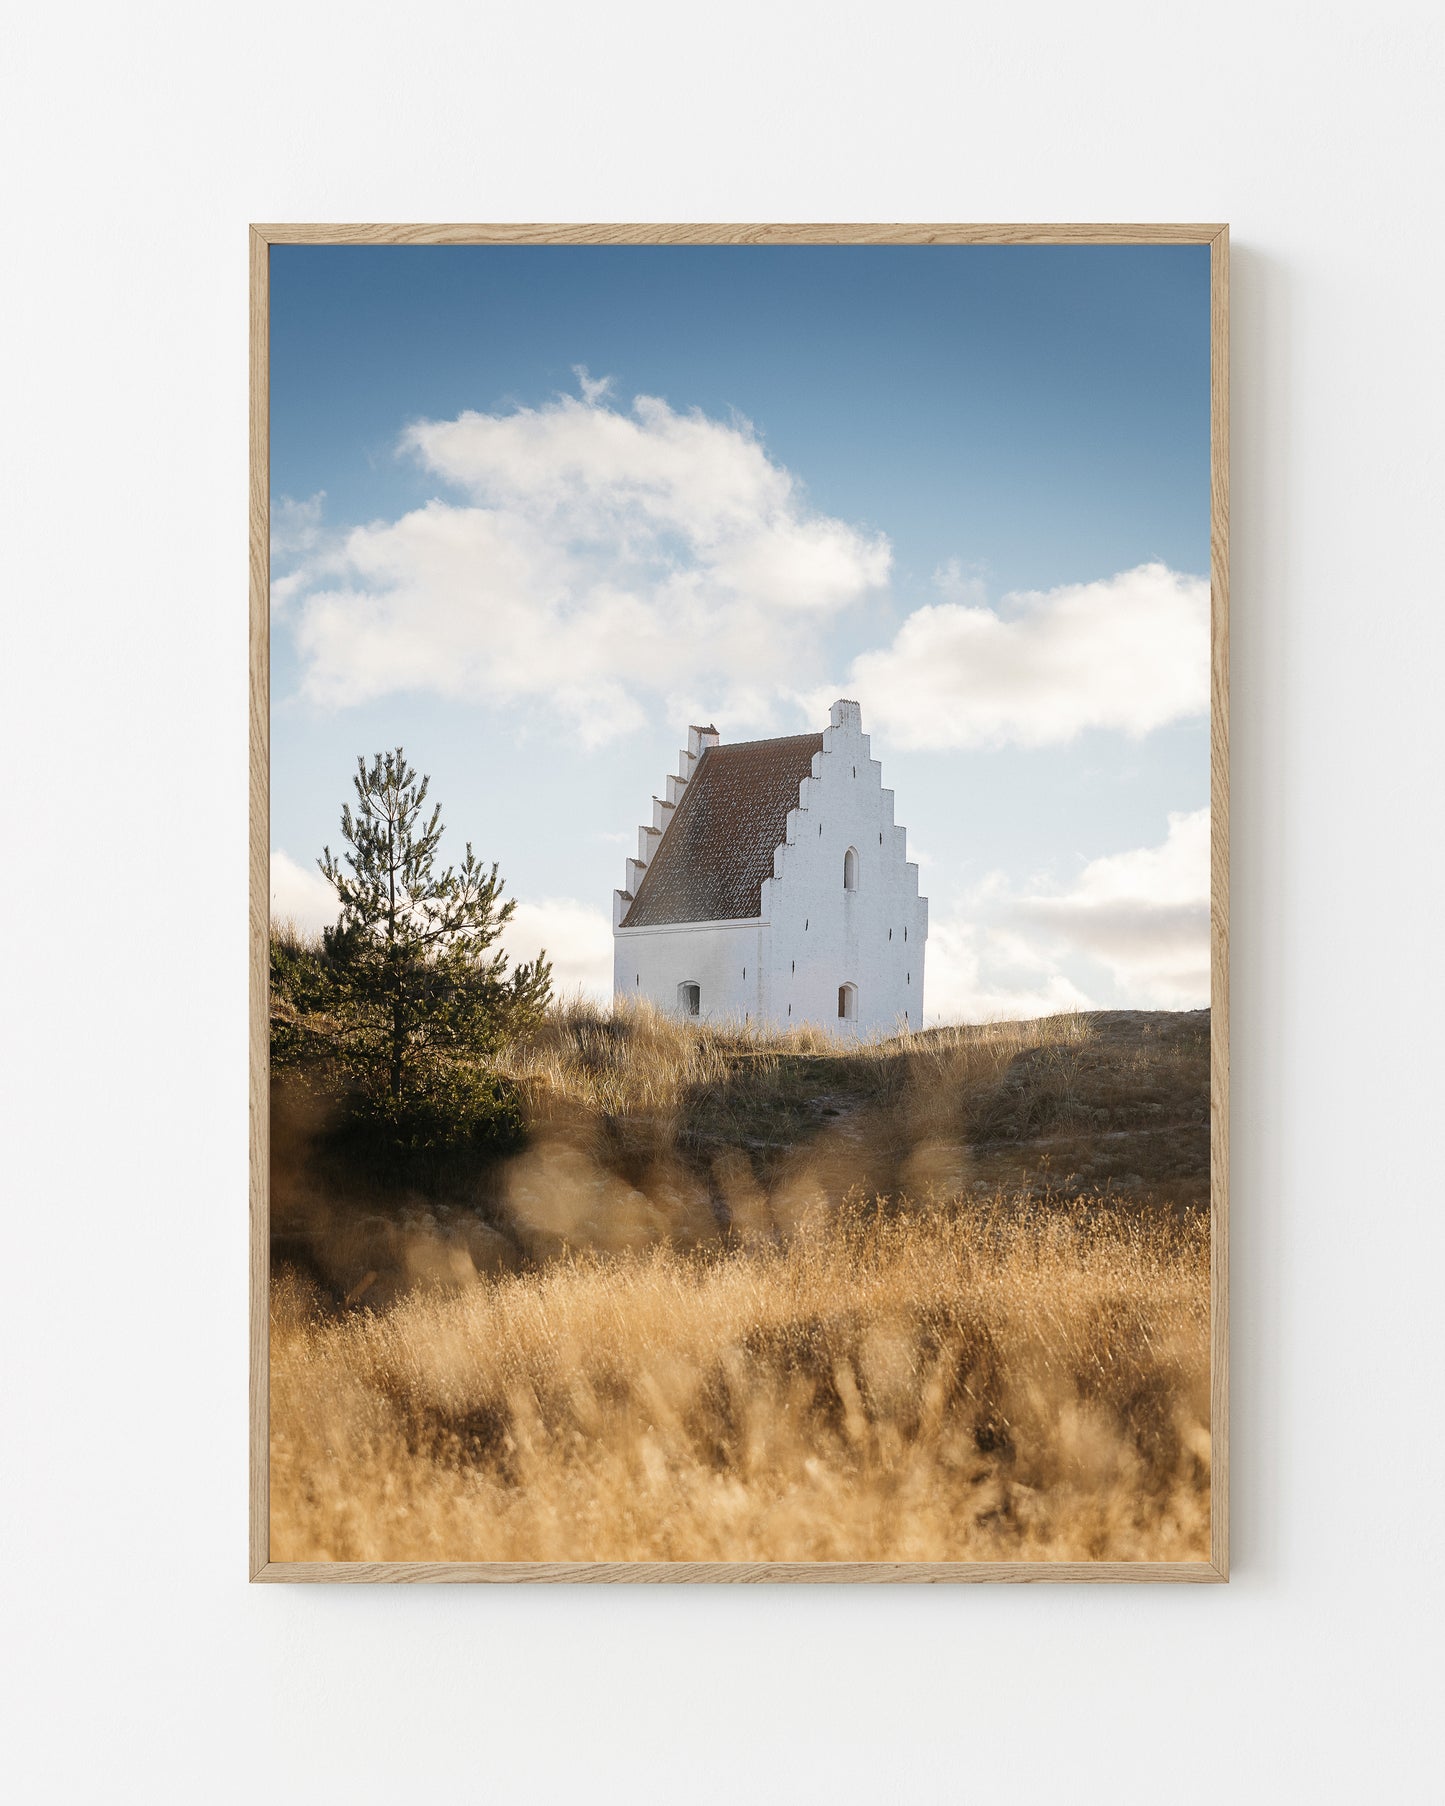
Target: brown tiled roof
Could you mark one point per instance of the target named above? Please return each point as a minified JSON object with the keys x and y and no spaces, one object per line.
{"x":717,"y":850}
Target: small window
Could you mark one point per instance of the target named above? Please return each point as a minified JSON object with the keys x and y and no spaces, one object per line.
{"x":890,"y":934}
{"x":745,"y":971}
{"x":905,"y":934}
{"x":880,"y":840}
{"x":820,"y":828}
{"x":689,"y":999}
{"x":850,"y":869}
{"x":847,"y":1002}
{"x":855,"y":771}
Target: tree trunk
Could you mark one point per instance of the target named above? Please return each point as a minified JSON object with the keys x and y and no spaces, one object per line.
{"x":397,"y":1012}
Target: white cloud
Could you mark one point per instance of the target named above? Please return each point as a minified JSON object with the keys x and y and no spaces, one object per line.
{"x":578,"y":941}
{"x":979,"y":973}
{"x":295,"y":526}
{"x":613,"y":563}
{"x":297,"y":541}
{"x":957,"y":582}
{"x":1142,"y":916}
{"x":602,"y":558}
{"x":593,"y":389}
{"x":1129,"y":652}
{"x":300,"y":894}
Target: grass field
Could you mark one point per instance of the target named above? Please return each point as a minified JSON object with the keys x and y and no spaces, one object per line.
{"x":765,"y":1299}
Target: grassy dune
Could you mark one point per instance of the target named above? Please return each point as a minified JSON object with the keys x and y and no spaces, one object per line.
{"x":748,"y":1299}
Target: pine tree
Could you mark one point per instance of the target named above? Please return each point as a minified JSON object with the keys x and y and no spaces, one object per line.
{"x":419,"y":980}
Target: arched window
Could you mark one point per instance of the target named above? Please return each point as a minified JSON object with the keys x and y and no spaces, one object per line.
{"x":689,"y":998}
{"x":850,"y":869}
{"x":847,"y":1002}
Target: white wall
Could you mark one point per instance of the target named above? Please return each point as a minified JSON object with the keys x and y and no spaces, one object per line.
{"x":724,"y":959}
{"x":138,"y":140}
{"x":824,"y":936}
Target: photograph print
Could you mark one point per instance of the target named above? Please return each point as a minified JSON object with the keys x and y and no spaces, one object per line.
{"x":737,"y":1085}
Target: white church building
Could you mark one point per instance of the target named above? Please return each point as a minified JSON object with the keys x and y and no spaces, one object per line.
{"x":773,"y":886}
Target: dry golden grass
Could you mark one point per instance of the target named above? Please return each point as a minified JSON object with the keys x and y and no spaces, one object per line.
{"x":766,"y":1297}
{"x":637,"y":1061}
{"x":993,"y":1380}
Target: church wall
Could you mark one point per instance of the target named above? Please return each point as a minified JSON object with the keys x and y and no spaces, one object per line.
{"x":823,"y":935}
{"x":724,"y":959}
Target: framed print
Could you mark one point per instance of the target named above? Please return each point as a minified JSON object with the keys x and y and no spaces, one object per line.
{"x":739,"y":901}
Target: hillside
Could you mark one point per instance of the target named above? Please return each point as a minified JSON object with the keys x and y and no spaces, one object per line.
{"x":643,"y":1131}
{"x":740,"y":1297}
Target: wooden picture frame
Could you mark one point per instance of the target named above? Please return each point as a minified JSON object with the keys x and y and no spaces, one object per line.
{"x":262,"y":237}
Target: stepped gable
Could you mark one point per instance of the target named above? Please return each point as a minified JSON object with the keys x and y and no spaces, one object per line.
{"x":717,"y":851}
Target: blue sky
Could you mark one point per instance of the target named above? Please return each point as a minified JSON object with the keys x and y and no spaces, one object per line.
{"x":968,"y":484}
